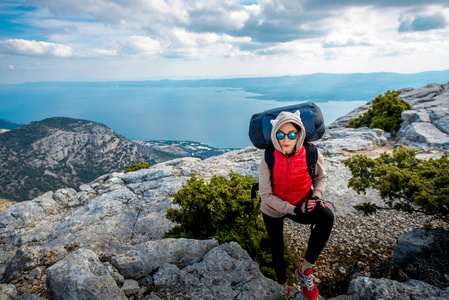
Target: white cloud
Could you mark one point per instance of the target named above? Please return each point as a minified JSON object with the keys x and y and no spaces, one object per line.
{"x":351,"y":41}
{"x":26,"y":47}
{"x":47,"y":49}
{"x":139,"y":45}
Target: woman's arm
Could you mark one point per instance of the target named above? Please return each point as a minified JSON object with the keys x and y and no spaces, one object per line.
{"x":320,"y":177}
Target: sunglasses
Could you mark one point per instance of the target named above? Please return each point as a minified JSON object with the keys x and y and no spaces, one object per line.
{"x":292,"y":135}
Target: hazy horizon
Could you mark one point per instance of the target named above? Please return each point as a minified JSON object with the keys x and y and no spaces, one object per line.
{"x":213,"y":112}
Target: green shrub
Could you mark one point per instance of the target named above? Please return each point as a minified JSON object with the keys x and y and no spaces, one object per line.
{"x":385,"y":113}
{"x":223,"y":209}
{"x":136,"y":167}
{"x":405,"y":182}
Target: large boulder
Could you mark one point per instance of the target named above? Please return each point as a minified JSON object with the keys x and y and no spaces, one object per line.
{"x":418,"y":132}
{"x":416,"y":243}
{"x":144,"y":258}
{"x":364,"y":288}
{"x":340,"y":140}
{"x":426,"y":127}
{"x":81,"y":275}
{"x":225,"y":272}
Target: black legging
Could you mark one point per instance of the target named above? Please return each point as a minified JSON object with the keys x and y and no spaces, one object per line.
{"x":322,"y":220}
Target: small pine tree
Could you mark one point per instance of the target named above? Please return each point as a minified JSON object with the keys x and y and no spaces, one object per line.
{"x":404,"y":181}
{"x":136,"y":167}
{"x":223,"y":209}
{"x":385,"y":113}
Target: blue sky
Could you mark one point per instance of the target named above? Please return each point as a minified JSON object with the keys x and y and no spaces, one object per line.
{"x":179,"y":39}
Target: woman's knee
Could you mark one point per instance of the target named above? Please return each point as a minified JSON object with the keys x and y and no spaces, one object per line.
{"x":326,"y":217}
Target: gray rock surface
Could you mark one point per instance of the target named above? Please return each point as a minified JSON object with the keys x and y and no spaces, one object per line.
{"x":144,"y":258}
{"x":427,"y":126}
{"x":225,"y":272}
{"x":364,"y":288}
{"x":414,"y":243}
{"x":8,"y":291}
{"x":130,"y":287}
{"x":81,"y":275}
{"x":337,"y":140}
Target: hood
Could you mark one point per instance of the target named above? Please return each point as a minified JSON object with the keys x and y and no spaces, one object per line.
{"x":284,"y":118}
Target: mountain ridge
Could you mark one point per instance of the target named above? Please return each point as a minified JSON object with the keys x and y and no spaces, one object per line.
{"x":8,"y":125}
{"x":64,"y":152}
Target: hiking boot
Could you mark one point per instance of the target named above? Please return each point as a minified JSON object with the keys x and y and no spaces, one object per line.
{"x":309,"y":290}
{"x":288,"y":293}
{"x":291,"y":293}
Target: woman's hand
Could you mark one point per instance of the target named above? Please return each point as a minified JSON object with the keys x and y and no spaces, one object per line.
{"x":308,"y":206}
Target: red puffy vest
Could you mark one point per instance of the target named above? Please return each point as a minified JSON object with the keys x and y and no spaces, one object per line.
{"x":291,"y":179}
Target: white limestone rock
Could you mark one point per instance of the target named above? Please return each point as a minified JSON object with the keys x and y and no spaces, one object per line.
{"x":81,"y":275}
{"x":338,"y":140}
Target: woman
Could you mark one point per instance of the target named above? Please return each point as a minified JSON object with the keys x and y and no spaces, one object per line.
{"x":288,"y":193}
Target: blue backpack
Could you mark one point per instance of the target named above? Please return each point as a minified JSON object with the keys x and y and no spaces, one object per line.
{"x":311,"y":116}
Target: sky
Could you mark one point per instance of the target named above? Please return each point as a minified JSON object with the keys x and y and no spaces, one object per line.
{"x":90,"y":40}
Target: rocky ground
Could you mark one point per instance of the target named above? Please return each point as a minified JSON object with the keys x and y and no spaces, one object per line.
{"x":357,"y":244}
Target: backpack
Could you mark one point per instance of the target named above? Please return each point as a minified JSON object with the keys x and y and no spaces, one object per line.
{"x":311,"y":116}
{"x":311,"y":155}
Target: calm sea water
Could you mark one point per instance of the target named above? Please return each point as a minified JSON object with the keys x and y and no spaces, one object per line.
{"x":218,"y":117}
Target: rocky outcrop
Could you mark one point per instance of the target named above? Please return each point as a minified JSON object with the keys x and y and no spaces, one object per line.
{"x":104,"y":239}
{"x":190,"y":269}
{"x":415,"y":243}
{"x":339,"y":140}
{"x":374,"y":289}
{"x":81,"y":275}
{"x":427,"y":126}
{"x":121,"y":215}
{"x":424,"y":128}
{"x":418,"y":251}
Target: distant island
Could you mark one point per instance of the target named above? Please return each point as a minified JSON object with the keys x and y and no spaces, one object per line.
{"x":321,"y":87}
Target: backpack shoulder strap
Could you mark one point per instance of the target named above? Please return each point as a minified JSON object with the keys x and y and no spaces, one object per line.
{"x":312,"y":158}
{"x":269,"y":159}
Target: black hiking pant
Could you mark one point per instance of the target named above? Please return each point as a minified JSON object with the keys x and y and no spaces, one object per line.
{"x":321,"y":220}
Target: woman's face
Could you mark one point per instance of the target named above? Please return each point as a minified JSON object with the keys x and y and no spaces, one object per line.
{"x":287,"y":144}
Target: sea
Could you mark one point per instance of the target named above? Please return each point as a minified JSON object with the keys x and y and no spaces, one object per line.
{"x":218,"y":117}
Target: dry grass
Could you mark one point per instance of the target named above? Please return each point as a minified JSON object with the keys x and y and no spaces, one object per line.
{"x":5,"y":203}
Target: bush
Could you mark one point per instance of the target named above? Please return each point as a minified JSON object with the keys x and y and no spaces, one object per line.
{"x":136,"y":167}
{"x":405,"y":182}
{"x":385,"y":113}
{"x":223,"y":209}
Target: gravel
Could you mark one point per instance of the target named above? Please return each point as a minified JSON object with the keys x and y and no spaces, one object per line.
{"x":366,"y":240}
